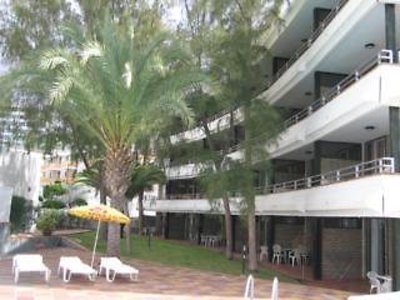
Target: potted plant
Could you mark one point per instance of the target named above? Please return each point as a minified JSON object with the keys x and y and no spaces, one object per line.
{"x":48,"y":221}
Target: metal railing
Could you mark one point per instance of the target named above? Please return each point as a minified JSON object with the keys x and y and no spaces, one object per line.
{"x":188,"y":196}
{"x":306,"y":45}
{"x":384,"y":56}
{"x":210,"y":119}
{"x":383,"y":165}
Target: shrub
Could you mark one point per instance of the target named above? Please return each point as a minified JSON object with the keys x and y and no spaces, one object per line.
{"x":48,"y":220}
{"x":78,"y":202}
{"x":18,"y":213}
{"x":52,"y":190}
{"x":54,"y":204}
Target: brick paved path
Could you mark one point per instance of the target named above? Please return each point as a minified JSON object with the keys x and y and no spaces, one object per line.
{"x":155,"y":282}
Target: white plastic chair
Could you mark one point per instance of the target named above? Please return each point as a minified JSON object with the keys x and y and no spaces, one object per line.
{"x":115,"y":266}
{"x":303,"y":254}
{"x":374,"y":282}
{"x":277,"y":256}
{"x":29,"y":263}
{"x":295,"y":257}
{"x":73,"y":265}
{"x":263,"y":253}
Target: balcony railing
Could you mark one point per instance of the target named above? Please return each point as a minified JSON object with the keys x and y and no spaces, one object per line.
{"x":383,"y":165}
{"x":306,"y":45}
{"x":189,"y":196}
{"x":384,"y":56}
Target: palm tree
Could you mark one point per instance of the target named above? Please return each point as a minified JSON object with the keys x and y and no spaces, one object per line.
{"x":144,"y":176}
{"x":117,"y":88}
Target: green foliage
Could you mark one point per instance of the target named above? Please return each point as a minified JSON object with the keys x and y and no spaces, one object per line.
{"x":143,"y":177}
{"x":48,"y":220}
{"x":18,"y":213}
{"x":52,"y":190}
{"x":28,"y":25}
{"x":53,"y":204}
{"x":92,"y":176}
{"x":78,"y":202}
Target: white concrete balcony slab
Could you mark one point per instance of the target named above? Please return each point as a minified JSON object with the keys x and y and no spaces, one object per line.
{"x":373,"y":196}
{"x":217,"y":123}
{"x":194,"y":206}
{"x":368,"y":189}
{"x":361,"y":100}
{"x":376,"y":90}
{"x":184,"y":171}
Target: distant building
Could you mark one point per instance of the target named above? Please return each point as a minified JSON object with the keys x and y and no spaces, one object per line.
{"x":59,"y":167}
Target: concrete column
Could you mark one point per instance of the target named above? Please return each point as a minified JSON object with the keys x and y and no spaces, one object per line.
{"x":366,"y":246}
{"x":377,"y":245}
{"x":395,"y":261}
{"x":316,"y":163}
{"x":390,"y":29}
{"x":316,"y":253}
{"x":393,"y":243}
{"x":394,"y":136}
{"x":270,"y":232}
{"x":200,"y":227}
{"x":165,"y":225}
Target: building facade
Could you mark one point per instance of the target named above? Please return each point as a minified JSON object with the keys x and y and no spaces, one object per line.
{"x":335,"y":182}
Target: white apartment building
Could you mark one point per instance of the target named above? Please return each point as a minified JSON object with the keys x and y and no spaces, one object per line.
{"x":335,"y":186}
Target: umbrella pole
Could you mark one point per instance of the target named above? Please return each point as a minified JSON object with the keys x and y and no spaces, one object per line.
{"x":95,"y":243}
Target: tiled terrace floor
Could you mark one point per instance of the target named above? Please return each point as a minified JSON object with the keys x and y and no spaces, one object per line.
{"x":155,"y":282}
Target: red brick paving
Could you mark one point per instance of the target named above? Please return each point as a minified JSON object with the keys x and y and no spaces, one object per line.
{"x":155,"y":282}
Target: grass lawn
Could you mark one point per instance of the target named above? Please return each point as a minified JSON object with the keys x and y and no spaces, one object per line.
{"x":177,"y":253}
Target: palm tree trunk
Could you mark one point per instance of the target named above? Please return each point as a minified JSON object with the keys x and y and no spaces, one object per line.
{"x":103,"y":200}
{"x":117,"y":175}
{"x":141,"y":214}
{"x":128,"y":231}
{"x":228,"y":228}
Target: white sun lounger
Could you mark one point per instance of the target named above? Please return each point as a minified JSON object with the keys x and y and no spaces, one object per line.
{"x":113,"y":266}
{"x":73,"y":265}
{"x":29,"y":263}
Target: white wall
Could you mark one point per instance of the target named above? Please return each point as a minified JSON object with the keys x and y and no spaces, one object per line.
{"x":22,"y":172}
{"x":5,"y":203}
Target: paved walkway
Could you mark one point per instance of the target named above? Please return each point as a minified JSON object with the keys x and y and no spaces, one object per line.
{"x":155,"y":282}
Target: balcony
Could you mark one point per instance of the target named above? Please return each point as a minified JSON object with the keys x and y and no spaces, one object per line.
{"x":368,"y":189}
{"x":383,"y":165}
{"x":384,"y":56}
{"x":308,"y":43}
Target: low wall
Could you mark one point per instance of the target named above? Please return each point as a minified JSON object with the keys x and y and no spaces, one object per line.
{"x":4,"y":233}
{"x":28,"y":243}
